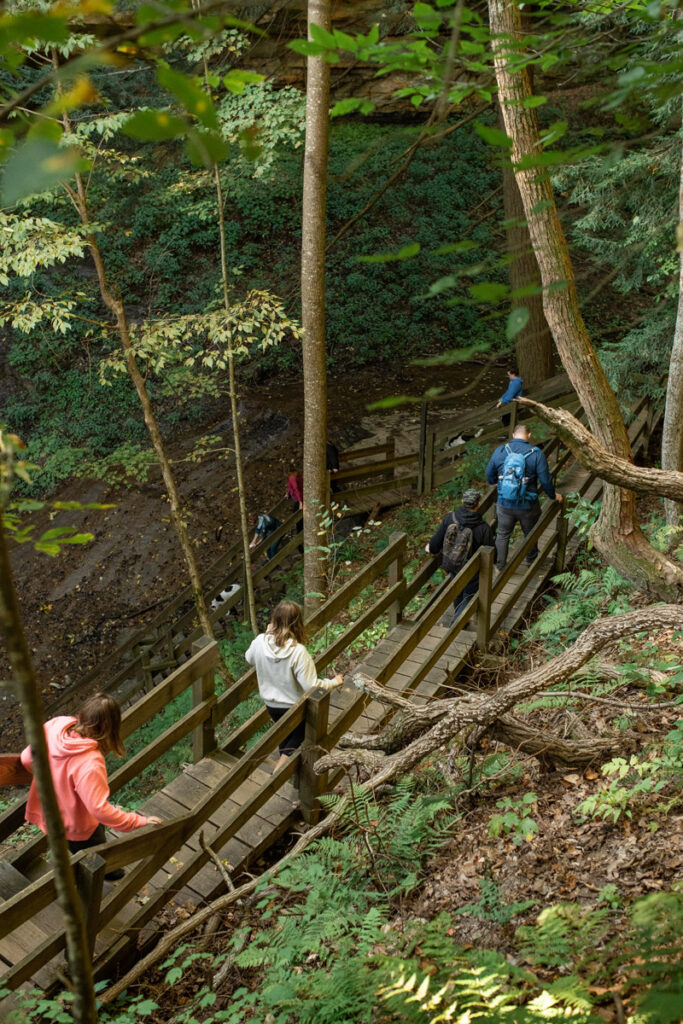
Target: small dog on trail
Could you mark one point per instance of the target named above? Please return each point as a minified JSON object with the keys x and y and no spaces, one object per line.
{"x":224,"y":595}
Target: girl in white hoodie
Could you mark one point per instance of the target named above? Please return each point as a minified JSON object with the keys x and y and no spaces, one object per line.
{"x":285,"y":670}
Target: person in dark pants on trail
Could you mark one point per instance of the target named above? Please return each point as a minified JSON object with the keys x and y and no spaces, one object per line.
{"x":462,"y":532}
{"x":518,"y":468}
{"x":514,"y":390}
{"x":265,"y":525}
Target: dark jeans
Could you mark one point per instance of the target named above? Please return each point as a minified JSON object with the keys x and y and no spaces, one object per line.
{"x":465,"y":595}
{"x":296,"y":737}
{"x":507,"y":517}
{"x":98,"y":836}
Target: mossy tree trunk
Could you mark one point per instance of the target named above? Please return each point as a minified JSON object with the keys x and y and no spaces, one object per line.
{"x":617,"y":534}
{"x":313,"y":309}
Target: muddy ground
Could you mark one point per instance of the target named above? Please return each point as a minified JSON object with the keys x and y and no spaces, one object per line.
{"x":78,"y":606}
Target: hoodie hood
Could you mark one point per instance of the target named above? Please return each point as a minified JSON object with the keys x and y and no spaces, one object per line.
{"x":468,"y":517}
{"x":278,"y":653}
{"x":63,"y":743}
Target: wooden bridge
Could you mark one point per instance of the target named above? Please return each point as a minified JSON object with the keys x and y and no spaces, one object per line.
{"x":369,"y":477}
{"x":228,"y":805}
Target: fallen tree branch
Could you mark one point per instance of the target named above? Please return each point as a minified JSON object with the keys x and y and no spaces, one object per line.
{"x":612,"y":468}
{"x":579,"y":695}
{"x":549,"y":748}
{"x":483,"y":710}
{"x":229,"y":884}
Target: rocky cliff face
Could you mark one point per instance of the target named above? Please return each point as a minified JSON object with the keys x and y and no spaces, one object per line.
{"x":284,"y":20}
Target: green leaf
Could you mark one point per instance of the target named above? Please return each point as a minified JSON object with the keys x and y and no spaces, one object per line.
{"x":494,"y":136}
{"x":517,"y":321}
{"x":426,"y":17}
{"x":534,"y":101}
{"x":321,"y":36}
{"x":22,"y":29}
{"x":306,"y":48}
{"x":345,"y":42}
{"x":236,"y":81}
{"x":206,"y":148}
{"x":350,"y":104}
{"x":405,"y":253}
{"x":37,"y":165}
{"x":154,"y":125}
{"x":489,"y":291}
{"x":194,"y":99}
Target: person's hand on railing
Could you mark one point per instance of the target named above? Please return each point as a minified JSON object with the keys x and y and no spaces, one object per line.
{"x":154,"y":820}
{"x":339,"y":679}
{"x":558,"y":497}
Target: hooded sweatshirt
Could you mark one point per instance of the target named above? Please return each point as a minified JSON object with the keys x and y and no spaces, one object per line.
{"x":283,"y":673}
{"x":79,"y":775}
{"x":482,"y":534}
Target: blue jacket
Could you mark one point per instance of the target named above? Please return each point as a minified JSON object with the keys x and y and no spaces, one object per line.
{"x":537,"y":469}
{"x":514,"y":391}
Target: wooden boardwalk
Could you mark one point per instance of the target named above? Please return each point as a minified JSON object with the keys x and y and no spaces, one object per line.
{"x":229,"y":799}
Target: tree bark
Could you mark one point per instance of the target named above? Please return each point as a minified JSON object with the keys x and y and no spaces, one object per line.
{"x":617,"y":534}
{"x":115,"y":305}
{"x":553,"y":749}
{"x":603,"y":463}
{"x":672,"y":434}
{"x":534,"y":343}
{"x":77,"y":947}
{"x":313,"y":309}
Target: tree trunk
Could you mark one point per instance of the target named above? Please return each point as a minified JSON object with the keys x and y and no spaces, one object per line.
{"x":672,"y":435}
{"x":313,"y":309}
{"x":617,"y":534}
{"x":77,"y":947}
{"x":534,"y":343}
{"x":249,"y":600}
{"x":115,"y":305}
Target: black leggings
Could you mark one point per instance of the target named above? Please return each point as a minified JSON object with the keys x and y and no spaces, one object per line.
{"x":296,"y":737}
{"x":98,"y":836}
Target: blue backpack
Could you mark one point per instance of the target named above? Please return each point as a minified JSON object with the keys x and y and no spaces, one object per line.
{"x":512,"y":479}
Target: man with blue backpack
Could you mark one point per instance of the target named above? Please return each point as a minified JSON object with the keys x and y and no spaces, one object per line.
{"x":518,"y":468}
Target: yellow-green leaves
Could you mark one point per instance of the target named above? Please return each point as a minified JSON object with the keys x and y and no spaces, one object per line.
{"x":36,"y":165}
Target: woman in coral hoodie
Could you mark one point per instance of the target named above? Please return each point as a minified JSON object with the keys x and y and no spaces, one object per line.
{"x":77,"y":748}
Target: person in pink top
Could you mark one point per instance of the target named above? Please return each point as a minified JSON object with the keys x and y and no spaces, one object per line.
{"x":77,"y":748}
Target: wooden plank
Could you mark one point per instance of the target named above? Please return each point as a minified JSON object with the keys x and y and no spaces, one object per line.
{"x":148,"y":706}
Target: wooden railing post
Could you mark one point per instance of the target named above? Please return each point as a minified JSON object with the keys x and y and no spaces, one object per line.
{"x":395,"y":574}
{"x":429,"y":463}
{"x":310,"y":784}
{"x":89,"y":880}
{"x":485,"y":586}
{"x":390,"y":456}
{"x":562,"y":529}
{"x":203,"y":736}
{"x":513,"y":418}
{"x":422,"y":450}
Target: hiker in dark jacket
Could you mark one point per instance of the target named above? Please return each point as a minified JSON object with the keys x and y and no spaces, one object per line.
{"x":265,"y":525}
{"x":525,"y":510}
{"x":467,"y":516}
{"x":512,"y":392}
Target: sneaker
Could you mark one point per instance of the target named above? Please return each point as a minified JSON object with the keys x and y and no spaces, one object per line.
{"x":115,"y":876}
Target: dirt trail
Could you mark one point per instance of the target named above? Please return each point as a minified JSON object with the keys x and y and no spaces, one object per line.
{"x":77,"y":607}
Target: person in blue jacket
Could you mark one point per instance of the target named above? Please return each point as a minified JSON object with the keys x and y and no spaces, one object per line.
{"x":514,"y":390}
{"x":524,"y":510}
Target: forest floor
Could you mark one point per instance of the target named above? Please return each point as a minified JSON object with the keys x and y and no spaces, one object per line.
{"x":79,"y":606}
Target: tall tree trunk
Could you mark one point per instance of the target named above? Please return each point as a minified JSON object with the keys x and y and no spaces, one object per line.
{"x":617,"y":534}
{"x":250,"y":600}
{"x":115,"y":305}
{"x":534,"y":343}
{"x":313,"y":308}
{"x":77,"y":948}
{"x":672,"y":436}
